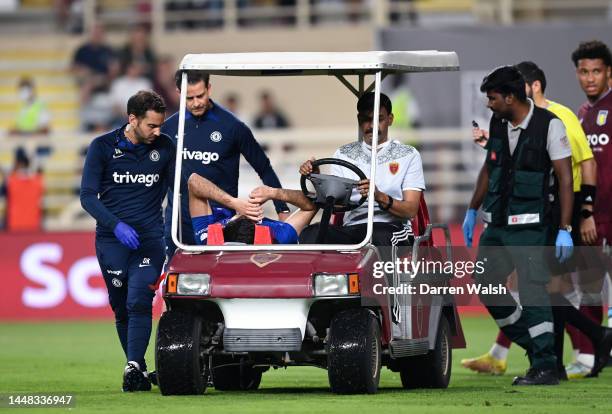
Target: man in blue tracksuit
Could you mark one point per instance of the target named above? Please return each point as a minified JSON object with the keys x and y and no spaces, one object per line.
{"x":213,"y":142}
{"x":125,"y":179}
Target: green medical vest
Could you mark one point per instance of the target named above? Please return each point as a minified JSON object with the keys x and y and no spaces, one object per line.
{"x":521,"y":191}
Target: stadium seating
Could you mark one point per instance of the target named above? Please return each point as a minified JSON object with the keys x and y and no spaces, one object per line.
{"x":319,"y":129}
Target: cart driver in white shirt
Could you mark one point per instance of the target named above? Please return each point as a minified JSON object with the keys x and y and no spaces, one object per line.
{"x":399,"y":181}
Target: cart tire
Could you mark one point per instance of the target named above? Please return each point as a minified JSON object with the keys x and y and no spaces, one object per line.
{"x":354,"y":352}
{"x":432,"y":370}
{"x":236,"y":378}
{"x":181,"y":369}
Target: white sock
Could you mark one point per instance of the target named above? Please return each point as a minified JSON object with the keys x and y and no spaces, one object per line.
{"x":133,"y":363}
{"x":573,"y":297}
{"x":575,"y":353}
{"x":588,"y":360}
{"x":499,"y":352}
{"x":515,"y":295}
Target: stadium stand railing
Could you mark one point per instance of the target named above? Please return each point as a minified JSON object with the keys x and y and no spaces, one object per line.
{"x":232,"y":15}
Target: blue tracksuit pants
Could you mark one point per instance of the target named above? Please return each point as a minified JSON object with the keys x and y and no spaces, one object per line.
{"x":130,"y":276}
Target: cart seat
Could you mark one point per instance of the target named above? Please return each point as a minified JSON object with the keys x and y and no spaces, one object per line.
{"x":419,"y":222}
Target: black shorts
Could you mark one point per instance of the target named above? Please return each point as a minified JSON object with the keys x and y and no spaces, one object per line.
{"x":382,"y":234}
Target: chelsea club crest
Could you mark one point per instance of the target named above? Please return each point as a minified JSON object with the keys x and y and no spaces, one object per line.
{"x":215,"y":136}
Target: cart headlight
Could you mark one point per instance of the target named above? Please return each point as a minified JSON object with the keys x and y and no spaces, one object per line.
{"x":336,"y":285}
{"x":197,"y":284}
{"x":330,"y":285}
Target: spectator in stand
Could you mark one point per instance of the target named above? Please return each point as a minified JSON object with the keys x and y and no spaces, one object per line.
{"x":269,"y":116}
{"x":195,"y":14}
{"x":164,"y":84}
{"x":124,"y":87}
{"x":138,"y":49}
{"x":69,"y":16}
{"x":354,"y":10}
{"x":24,"y":192}
{"x":94,"y":66}
{"x":231,"y":102}
{"x":33,"y":116}
{"x":406,"y":10}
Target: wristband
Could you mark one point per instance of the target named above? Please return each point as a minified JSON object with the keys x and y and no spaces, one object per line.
{"x":388,"y":206}
{"x":588,"y":193}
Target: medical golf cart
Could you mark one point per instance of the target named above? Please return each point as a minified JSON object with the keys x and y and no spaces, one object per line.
{"x":235,"y":311}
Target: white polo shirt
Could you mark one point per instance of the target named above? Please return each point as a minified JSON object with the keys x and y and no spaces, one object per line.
{"x":399,"y":168}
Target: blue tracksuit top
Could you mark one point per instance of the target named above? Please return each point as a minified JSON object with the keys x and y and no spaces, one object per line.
{"x":126,"y":182}
{"x":211,"y":148}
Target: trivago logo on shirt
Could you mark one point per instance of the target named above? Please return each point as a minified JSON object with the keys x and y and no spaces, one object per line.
{"x":205,"y":156}
{"x":147,"y":179}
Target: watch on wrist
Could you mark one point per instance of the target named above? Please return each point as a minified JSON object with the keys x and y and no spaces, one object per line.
{"x":387,"y":206}
{"x":586,"y":213}
{"x":567,"y":228}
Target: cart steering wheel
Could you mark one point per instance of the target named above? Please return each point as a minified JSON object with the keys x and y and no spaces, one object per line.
{"x":333,"y":194}
{"x":330,"y":190}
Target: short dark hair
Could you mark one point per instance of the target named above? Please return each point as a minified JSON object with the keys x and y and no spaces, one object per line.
{"x":144,"y":101}
{"x":593,"y":49}
{"x":241,"y":230}
{"x":26,"y":81}
{"x":506,"y":80}
{"x":193,"y":77}
{"x":532,"y":72}
{"x":366,"y":103}
{"x":21,"y":157}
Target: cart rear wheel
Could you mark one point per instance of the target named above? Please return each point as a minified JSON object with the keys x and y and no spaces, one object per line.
{"x":432,"y":370}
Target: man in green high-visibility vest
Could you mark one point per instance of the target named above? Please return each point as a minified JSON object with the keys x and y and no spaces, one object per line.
{"x":526,"y":175}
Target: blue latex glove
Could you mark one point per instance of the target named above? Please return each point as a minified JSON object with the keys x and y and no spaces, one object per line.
{"x":126,"y":235}
{"x":564,"y":246}
{"x":468,"y":226}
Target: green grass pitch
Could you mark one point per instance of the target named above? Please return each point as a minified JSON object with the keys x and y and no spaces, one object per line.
{"x":84,"y":359}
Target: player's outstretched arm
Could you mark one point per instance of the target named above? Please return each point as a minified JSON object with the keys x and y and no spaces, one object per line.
{"x":264,"y":193}
{"x":258,"y":159}
{"x":203,"y":190}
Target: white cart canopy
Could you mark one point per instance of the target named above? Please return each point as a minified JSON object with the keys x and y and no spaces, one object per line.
{"x":338,"y":64}
{"x":320,"y":63}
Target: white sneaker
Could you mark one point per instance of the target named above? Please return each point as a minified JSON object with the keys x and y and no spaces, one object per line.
{"x":577,"y":370}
